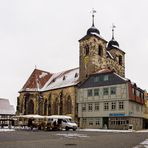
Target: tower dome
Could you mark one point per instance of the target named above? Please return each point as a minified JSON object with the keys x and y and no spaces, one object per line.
{"x":113,"y":43}
{"x":93,"y":29}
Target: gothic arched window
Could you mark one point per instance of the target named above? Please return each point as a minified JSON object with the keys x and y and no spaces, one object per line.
{"x":69,"y":105}
{"x":56,"y":106}
{"x":45,"y":107}
{"x":30,"y":107}
{"x":100,"y":51}
{"x":41,"y":107}
{"x":49,"y":105}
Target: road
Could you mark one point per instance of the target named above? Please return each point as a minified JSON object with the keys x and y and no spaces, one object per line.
{"x":70,"y":139}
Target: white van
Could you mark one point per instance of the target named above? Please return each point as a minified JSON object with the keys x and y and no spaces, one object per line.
{"x":61,"y":122}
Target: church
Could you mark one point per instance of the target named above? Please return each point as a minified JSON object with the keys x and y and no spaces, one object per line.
{"x":48,"y":93}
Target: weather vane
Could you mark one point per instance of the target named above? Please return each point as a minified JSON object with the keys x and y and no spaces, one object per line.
{"x":113,"y":27}
{"x":93,"y":12}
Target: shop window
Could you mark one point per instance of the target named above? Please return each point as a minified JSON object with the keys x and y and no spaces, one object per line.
{"x":90,"y":123}
{"x":97,"y":121}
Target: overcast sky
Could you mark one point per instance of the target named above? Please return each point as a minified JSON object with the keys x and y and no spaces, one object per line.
{"x":45,"y":33}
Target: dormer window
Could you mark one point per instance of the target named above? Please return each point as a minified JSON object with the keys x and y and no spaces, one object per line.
{"x":100,"y":51}
{"x":76,"y":75}
{"x":53,"y":80}
{"x":64,"y":78}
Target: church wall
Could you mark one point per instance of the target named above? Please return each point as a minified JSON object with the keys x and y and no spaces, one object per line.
{"x":23,"y":103}
{"x":58,"y":100}
{"x":49,"y":102}
{"x":114,"y":65}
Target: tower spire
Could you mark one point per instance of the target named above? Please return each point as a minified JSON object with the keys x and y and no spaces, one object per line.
{"x":113,"y":27}
{"x":93,"y":12}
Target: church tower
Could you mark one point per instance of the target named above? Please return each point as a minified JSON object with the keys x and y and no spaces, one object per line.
{"x":96,"y":54}
{"x":115,"y":56}
{"x":92,"y":52}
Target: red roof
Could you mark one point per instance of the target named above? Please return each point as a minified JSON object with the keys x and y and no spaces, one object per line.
{"x":37,"y":79}
{"x":43,"y":81}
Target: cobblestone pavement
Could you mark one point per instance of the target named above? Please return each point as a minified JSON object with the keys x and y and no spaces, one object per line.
{"x":70,"y":139}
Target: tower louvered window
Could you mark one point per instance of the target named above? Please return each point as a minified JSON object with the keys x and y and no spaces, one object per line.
{"x":100,"y":51}
{"x":120,"y":60}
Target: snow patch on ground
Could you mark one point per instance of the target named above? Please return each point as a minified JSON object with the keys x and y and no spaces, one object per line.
{"x":6,"y":130}
{"x":143,"y":144}
{"x":142,"y":131}
{"x":106,"y":130}
{"x":73,"y":135}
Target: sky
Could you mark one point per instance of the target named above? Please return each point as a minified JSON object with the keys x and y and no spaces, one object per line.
{"x":45,"y":33}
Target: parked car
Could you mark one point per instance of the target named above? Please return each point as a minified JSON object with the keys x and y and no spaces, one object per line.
{"x":60,"y":122}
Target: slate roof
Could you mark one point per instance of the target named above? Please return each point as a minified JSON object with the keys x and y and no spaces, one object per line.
{"x":6,"y":108}
{"x":62,"y":79}
{"x":113,"y":79}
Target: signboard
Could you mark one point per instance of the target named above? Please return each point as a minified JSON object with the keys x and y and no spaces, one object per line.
{"x":117,"y":114}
